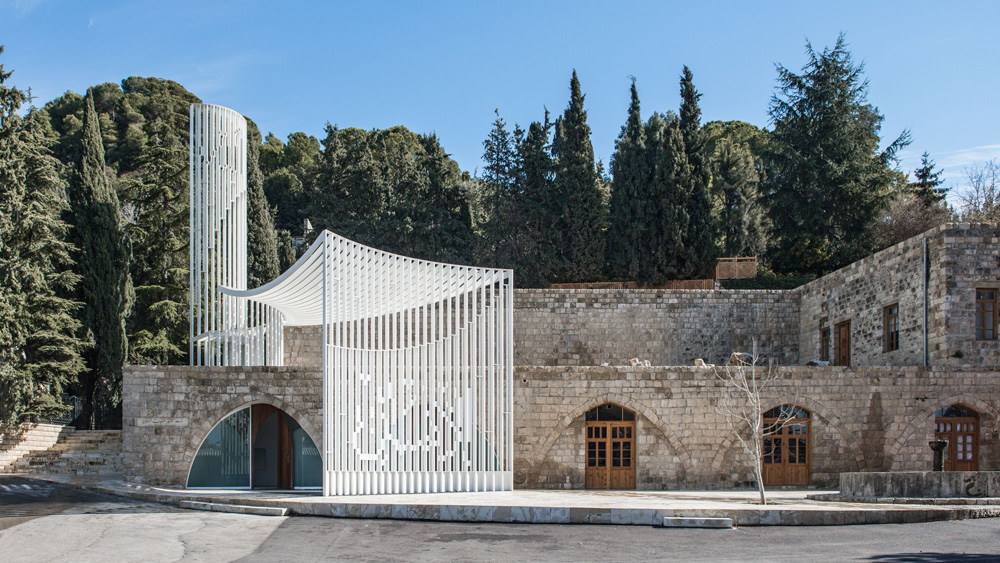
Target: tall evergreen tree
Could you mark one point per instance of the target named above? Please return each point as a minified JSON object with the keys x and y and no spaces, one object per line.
{"x":926,"y":187}
{"x":157,"y":195}
{"x":262,"y":240}
{"x":103,"y":262}
{"x":671,"y":182}
{"x":578,"y":202}
{"x":40,"y":353}
{"x":499,"y":197}
{"x":629,"y":208}
{"x":735,"y":185}
{"x":700,"y":251}
{"x":828,"y":179}
{"x":286,"y":252}
{"x":540,"y":236}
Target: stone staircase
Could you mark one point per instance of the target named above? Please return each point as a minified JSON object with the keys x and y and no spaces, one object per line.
{"x":49,"y":448}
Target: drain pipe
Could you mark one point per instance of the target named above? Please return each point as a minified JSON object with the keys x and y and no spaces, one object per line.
{"x":927,"y":276}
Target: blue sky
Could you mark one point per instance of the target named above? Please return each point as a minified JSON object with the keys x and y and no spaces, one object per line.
{"x":444,"y":67}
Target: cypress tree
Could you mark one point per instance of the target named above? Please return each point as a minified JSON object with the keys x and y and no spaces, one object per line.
{"x":577,"y":199}
{"x":262,"y":241}
{"x":926,"y":187}
{"x":106,"y":287}
{"x":671,"y":181}
{"x":701,"y":254}
{"x":40,"y":353}
{"x":443,"y":218}
{"x":536,"y":176}
{"x":286,"y":252}
{"x":736,"y":181}
{"x":629,"y":218}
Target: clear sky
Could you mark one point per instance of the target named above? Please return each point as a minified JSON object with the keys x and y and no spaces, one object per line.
{"x":443,"y":67}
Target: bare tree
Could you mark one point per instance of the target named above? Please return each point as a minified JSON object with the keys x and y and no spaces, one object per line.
{"x":907,"y":216}
{"x":742,"y":405}
{"x":981,"y":200}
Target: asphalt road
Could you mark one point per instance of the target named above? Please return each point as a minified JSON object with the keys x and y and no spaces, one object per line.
{"x":45,"y":522}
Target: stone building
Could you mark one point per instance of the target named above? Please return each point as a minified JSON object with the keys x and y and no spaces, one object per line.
{"x":909,"y":334}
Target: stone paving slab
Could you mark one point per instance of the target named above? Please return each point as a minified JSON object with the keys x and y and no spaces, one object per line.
{"x":648,"y":508}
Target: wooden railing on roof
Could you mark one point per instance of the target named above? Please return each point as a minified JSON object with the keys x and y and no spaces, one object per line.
{"x":736,"y":268}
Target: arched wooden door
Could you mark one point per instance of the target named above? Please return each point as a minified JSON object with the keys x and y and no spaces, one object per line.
{"x":610,"y":448}
{"x":958,"y":425}
{"x":787,"y":459}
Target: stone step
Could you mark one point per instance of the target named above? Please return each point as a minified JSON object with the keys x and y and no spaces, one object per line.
{"x":689,"y":522}
{"x":235,"y":508}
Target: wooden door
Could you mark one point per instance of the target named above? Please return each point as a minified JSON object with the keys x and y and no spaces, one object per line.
{"x":844,"y":344}
{"x":962,"y":434}
{"x":610,"y":455}
{"x":787,"y":453}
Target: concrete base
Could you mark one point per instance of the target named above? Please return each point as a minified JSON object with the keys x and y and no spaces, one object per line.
{"x":676,"y":522}
{"x":234,"y":508}
{"x":921,"y":484}
{"x":646,"y":508}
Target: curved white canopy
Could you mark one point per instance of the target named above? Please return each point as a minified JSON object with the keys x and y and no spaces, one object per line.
{"x":367,"y":283}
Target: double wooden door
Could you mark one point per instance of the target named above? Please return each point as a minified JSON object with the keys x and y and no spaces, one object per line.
{"x":610,"y":455}
{"x":787,"y":456}
{"x":962,"y":434}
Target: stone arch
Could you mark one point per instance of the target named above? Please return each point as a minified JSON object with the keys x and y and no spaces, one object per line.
{"x":924,"y":421}
{"x":815,"y":408}
{"x":638,"y":407}
{"x":229,"y":407}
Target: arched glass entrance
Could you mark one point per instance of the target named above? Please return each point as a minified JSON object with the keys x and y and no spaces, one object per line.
{"x":787,"y":452}
{"x":610,"y":447}
{"x":259,"y":447}
{"x":959,"y":426}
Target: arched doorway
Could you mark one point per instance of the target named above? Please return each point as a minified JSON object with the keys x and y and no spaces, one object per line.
{"x":260,"y":447}
{"x":787,"y":458}
{"x":610,"y":447}
{"x":959,"y":426}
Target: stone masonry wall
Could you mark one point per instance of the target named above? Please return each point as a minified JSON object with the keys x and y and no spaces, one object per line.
{"x":562,"y":327}
{"x":863,"y":419}
{"x":961,"y":258}
{"x":304,"y":346}
{"x":168,"y":411}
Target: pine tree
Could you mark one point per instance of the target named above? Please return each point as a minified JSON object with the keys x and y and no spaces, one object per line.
{"x":828,"y":179}
{"x":40,"y":353}
{"x":735,"y":186}
{"x":444,"y":223}
{"x":700,"y":251}
{"x":499,"y":197}
{"x":671,"y":181}
{"x":262,"y":240}
{"x":578,"y":203}
{"x":157,"y":192}
{"x":629,"y":208}
{"x":926,"y":187}
{"x":103,"y":262}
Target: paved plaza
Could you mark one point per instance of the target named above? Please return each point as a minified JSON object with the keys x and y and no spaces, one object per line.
{"x":100,"y":527}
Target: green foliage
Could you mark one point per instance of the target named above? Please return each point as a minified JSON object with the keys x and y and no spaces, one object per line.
{"x":286,"y":252}
{"x":828,"y":178}
{"x":670,"y":185}
{"x":289,"y":171}
{"x":735,"y":183}
{"x":577,"y":201}
{"x":700,"y":251}
{"x":262,"y":240}
{"x":104,"y":255}
{"x":40,"y":353}
{"x":926,"y":187}
{"x":630,"y":208}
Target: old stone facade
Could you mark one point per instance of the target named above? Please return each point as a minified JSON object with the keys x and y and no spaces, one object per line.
{"x":573,"y":347}
{"x":168,"y":411}
{"x":862,"y":419}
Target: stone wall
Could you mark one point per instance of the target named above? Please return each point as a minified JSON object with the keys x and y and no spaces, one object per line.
{"x":961,"y":258}
{"x":562,"y":327}
{"x":168,"y":411}
{"x":304,"y":346}
{"x":863,"y":419}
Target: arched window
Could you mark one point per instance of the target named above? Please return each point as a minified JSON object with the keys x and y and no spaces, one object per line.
{"x":259,"y":446}
{"x":787,"y":458}
{"x":611,"y":442}
{"x":959,"y":426}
